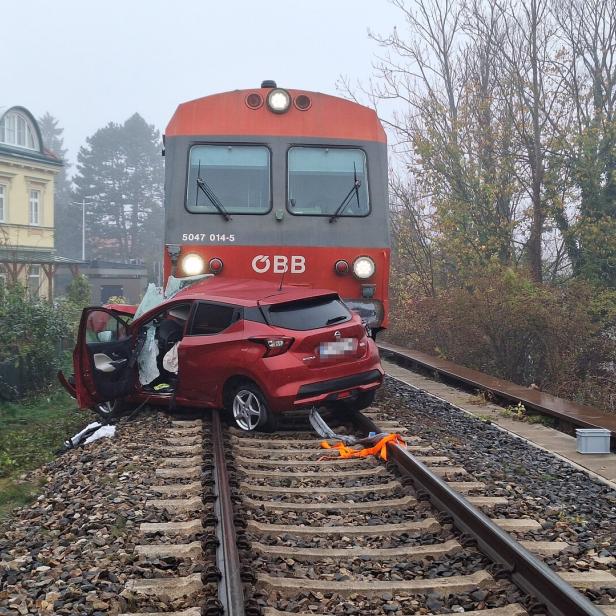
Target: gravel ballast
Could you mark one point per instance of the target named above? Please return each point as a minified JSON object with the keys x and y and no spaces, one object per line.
{"x":72,"y":551}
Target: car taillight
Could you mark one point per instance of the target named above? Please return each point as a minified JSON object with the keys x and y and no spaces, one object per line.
{"x":274,"y":345}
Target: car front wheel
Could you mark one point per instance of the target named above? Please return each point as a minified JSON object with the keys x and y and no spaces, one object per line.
{"x":109,"y":410}
{"x":250,"y":409}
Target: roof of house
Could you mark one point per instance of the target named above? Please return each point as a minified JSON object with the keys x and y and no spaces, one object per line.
{"x":42,"y":155}
{"x":98,"y":263}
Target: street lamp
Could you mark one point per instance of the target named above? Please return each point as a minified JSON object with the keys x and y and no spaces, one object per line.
{"x":83,"y":222}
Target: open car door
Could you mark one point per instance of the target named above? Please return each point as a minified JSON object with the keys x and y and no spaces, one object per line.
{"x":103,"y":358}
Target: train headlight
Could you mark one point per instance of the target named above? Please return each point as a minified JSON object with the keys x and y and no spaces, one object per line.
{"x":363,"y":267}
{"x":193,"y":264}
{"x":279,"y":100}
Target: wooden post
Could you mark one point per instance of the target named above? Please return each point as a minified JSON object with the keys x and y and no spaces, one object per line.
{"x":49,"y":269}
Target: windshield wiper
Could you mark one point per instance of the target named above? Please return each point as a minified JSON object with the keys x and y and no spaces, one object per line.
{"x":347,"y":199}
{"x":336,"y":319}
{"x":210,"y":194}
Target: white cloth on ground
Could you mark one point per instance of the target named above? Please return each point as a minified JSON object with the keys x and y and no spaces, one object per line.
{"x":102,"y":432}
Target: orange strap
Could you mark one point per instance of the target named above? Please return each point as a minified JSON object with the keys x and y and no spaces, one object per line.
{"x":379,"y":450}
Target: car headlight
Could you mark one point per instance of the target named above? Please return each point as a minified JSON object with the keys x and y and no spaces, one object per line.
{"x":363,"y":267}
{"x":193,"y":264}
{"x":279,"y":100}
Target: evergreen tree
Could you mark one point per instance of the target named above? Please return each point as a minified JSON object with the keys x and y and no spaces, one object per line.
{"x":67,"y":240}
{"x":120,"y":173}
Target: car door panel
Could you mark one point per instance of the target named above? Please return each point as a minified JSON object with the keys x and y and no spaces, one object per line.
{"x":206,"y":360}
{"x":102,"y":358}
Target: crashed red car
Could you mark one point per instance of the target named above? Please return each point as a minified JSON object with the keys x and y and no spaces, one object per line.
{"x":250,"y":347}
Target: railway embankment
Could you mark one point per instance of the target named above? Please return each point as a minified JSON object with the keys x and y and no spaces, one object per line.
{"x":31,"y":431}
{"x":135,"y":524}
{"x":72,"y":550}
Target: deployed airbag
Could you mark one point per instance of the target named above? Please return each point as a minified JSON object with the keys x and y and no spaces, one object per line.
{"x":148,"y":367}
{"x":170,"y":360}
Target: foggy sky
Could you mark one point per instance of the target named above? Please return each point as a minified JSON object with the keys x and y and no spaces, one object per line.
{"x":89,"y":63}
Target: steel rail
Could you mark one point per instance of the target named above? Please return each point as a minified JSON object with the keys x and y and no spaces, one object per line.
{"x":230,"y":588}
{"x":527,"y":571}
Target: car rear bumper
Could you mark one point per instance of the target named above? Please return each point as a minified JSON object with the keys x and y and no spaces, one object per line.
{"x":321,"y":392}
{"x":372,"y":378}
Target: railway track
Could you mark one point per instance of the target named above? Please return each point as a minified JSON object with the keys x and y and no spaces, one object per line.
{"x":227,"y":522}
{"x":259,"y":524}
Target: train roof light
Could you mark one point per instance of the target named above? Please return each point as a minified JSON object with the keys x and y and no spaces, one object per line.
{"x":268,"y":83}
{"x":303,"y":102}
{"x":279,"y":100}
{"x":254,"y":100}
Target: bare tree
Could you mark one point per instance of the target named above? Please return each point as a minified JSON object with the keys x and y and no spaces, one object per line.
{"x":535,"y":101}
{"x":444,"y":70}
{"x":587,"y":29}
{"x":413,"y":259}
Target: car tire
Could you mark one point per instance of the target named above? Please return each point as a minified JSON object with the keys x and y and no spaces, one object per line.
{"x":250,"y":409}
{"x":109,"y":410}
{"x":363,"y":401}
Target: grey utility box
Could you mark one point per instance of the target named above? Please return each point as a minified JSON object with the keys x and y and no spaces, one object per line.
{"x":593,"y":440}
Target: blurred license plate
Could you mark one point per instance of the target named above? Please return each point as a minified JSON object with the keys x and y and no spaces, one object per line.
{"x":345,"y":346}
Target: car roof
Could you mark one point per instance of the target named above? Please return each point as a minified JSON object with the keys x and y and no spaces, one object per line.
{"x":246,"y":292}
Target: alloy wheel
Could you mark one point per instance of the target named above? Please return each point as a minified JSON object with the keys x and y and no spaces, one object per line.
{"x":247,"y":409}
{"x":107,"y":409}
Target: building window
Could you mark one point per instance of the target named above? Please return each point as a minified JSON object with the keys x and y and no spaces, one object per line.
{"x":16,"y":129}
{"x":3,"y":193}
{"x":34,"y":280}
{"x":35,"y":207}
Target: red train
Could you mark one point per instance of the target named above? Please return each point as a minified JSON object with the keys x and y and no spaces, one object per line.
{"x":276,"y":184}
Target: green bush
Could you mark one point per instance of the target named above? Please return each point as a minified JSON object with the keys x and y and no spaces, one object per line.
{"x":31,"y":335}
{"x":78,"y":292}
{"x":502,"y":323}
{"x":77,"y":297}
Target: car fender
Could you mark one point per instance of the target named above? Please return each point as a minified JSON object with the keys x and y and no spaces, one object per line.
{"x":240,"y":374}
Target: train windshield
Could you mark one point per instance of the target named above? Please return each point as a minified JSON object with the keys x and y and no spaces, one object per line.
{"x":328,"y":182}
{"x":237,"y":177}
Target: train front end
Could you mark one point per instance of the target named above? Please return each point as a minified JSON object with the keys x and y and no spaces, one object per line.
{"x":280,"y":185}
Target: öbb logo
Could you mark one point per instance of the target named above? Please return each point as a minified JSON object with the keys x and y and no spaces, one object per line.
{"x":262,"y":264}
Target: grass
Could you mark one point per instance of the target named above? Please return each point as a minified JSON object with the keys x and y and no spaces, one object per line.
{"x":519,"y":413}
{"x":16,"y":493}
{"x":544,"y":420}
{"x":31,"y":431}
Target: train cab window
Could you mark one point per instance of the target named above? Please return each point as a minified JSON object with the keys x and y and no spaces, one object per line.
{"x":229,"y":178}
{"x":327,"y":181}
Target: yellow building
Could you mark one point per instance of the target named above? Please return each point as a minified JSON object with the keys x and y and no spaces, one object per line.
{"x":27,"y":172}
